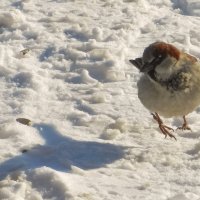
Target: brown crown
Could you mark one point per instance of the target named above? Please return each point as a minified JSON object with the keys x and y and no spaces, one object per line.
{"x":164,"y":48}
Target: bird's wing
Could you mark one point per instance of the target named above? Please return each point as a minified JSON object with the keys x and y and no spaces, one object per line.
{"x":191,"y":58}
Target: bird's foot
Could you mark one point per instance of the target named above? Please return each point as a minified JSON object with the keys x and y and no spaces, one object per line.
{"x":184,"y":127}
{"x":164,"y":129}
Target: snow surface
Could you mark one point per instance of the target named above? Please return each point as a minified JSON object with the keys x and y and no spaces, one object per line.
{"x":64,"y":65}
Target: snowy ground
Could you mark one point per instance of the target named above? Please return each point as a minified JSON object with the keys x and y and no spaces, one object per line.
{"x":90,"y":139}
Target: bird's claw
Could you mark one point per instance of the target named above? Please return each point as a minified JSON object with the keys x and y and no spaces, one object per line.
{"x":164,"y":129}
{"x":184,"y":127}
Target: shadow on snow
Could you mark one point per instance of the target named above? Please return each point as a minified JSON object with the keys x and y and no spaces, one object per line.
{"x":60,"y":152}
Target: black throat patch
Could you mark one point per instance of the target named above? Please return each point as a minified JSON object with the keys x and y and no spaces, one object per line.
{"x":178,"y":82}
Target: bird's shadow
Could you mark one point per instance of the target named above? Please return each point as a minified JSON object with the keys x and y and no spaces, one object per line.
{"x":60,"y":153}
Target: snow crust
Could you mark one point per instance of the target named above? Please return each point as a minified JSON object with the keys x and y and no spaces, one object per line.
{"x":64,"y":66}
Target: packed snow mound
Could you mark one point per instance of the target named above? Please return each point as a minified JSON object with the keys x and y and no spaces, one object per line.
{"x":11,"y":19}
{"x":64,"y":66}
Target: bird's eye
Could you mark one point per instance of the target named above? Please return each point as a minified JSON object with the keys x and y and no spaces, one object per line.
{"x":160,"y":56}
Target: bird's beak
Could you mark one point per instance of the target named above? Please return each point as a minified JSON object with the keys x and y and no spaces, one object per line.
{"x":137,"y":62}
{"x":146,"y":67}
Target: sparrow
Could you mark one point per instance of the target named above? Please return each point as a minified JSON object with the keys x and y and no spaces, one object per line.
{"x":170,"y":83}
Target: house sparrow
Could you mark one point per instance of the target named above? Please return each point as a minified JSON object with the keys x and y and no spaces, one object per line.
{"x":170,"y":84}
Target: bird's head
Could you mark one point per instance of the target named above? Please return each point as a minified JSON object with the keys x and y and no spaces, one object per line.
{"x":158,"y":58}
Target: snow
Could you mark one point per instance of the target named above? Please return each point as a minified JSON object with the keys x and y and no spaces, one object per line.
{"x":64,"y":66}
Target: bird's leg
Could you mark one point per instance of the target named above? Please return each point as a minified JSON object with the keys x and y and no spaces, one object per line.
{"x":164,"y":129}
{"x":185,"y":125}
